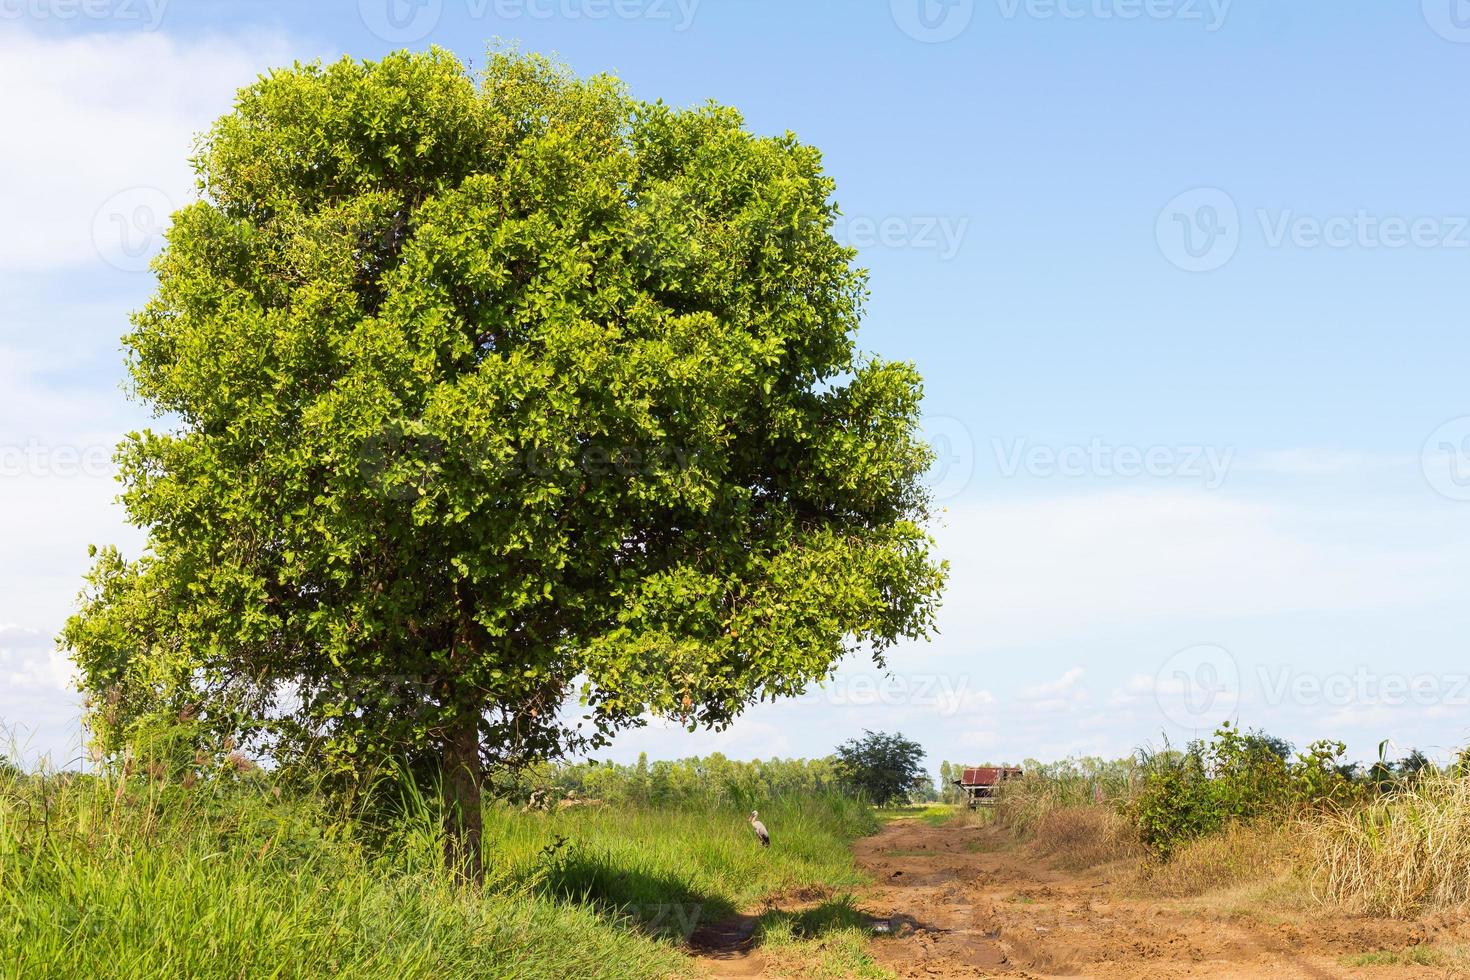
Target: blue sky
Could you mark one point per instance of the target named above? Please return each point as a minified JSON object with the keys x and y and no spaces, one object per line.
{"x":1186,"y":279}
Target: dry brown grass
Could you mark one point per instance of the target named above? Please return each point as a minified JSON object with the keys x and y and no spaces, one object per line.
{"x":1240,"y":856}
{"x":1023,"y":804}
{"x":1058,"y":818}
{"x":1401,"y":854}
{"x":1083,"y":837}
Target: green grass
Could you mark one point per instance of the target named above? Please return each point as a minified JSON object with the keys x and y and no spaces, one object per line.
{"x":636,"y":859}
{"x":829,"y":940}
{"x":1413,"y":956}
{"x":106,"y":879}
{"x":936,"y":814}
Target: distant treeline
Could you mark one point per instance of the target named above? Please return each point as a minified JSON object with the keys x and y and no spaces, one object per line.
{"x":712,"y":780}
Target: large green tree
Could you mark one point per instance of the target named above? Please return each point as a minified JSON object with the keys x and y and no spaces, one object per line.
{"x":476,"y":395}
{"x":884,"y":768}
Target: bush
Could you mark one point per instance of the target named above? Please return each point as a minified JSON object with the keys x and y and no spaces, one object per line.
{"x":1177,"y":804}
{"x":1238,"y":776}
{"x":1391,"y":838}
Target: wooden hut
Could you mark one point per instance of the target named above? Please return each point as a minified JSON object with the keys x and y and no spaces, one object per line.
{"x":980,"y":783}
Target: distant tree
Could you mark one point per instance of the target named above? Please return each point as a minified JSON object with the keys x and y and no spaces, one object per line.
{"x":641,"y":787}
{"x":1413,"y":763}
{"x":1278,"y":747}
{"x":884,"y":768}
{"x":485,"y":397}
{"x":1383,"y":775}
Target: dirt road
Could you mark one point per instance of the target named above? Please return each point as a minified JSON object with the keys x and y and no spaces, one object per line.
{"x":952,"y":901}
{"x":967,"y":902}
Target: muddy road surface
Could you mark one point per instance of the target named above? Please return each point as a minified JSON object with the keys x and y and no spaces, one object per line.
{"x":968,"y":902}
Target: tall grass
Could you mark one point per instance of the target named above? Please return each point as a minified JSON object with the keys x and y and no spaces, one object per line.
{"x":134,"y":877}
{"x":1372,"y":840}
{"x":1241,"y":853}
{"x":113,"y":878}
{"x":1025,"y":804}
{"x":1401,"y":853}
{"x":639,"y":858}
{"x":1081,"y":837}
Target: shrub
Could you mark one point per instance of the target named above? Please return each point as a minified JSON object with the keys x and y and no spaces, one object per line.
{"x":1238,"y":776}
{"x":1177,"y":803}
{"x":1249,"y":771}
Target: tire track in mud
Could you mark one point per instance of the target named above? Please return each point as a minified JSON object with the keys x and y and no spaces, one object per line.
{"x":726,"y":949}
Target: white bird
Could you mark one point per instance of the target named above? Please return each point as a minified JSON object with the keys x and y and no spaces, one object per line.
{"x":759,"y":828}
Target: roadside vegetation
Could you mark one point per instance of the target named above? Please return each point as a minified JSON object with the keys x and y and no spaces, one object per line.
{"x":1246,"y":809}
{"x":230,"y":871}
{"x":211,"y":866}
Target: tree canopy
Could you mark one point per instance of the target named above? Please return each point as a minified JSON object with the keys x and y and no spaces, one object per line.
{"x":476,"y":394}
{"x":884,"y":768}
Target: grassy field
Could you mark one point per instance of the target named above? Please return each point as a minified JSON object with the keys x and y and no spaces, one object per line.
{"x":933,"y":813}
{"x":132,"y":878}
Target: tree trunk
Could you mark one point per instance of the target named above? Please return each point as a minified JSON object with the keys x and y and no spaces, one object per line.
{"x":464,"y":822}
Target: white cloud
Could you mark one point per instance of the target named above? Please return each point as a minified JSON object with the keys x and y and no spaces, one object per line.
{"x":1027,"y":571}
{"x":1067,"y":686}
{"x":88,"y":116}
{"x":94,"y":116}
{"x":1321,"y":462}
{"x":40,"y":710}
{"x":1137,"y":689}
{"x":29,"y":662}
{"x":1063,"y":695}
{"x":1066,"y":616}
{"x":965,"y":700}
